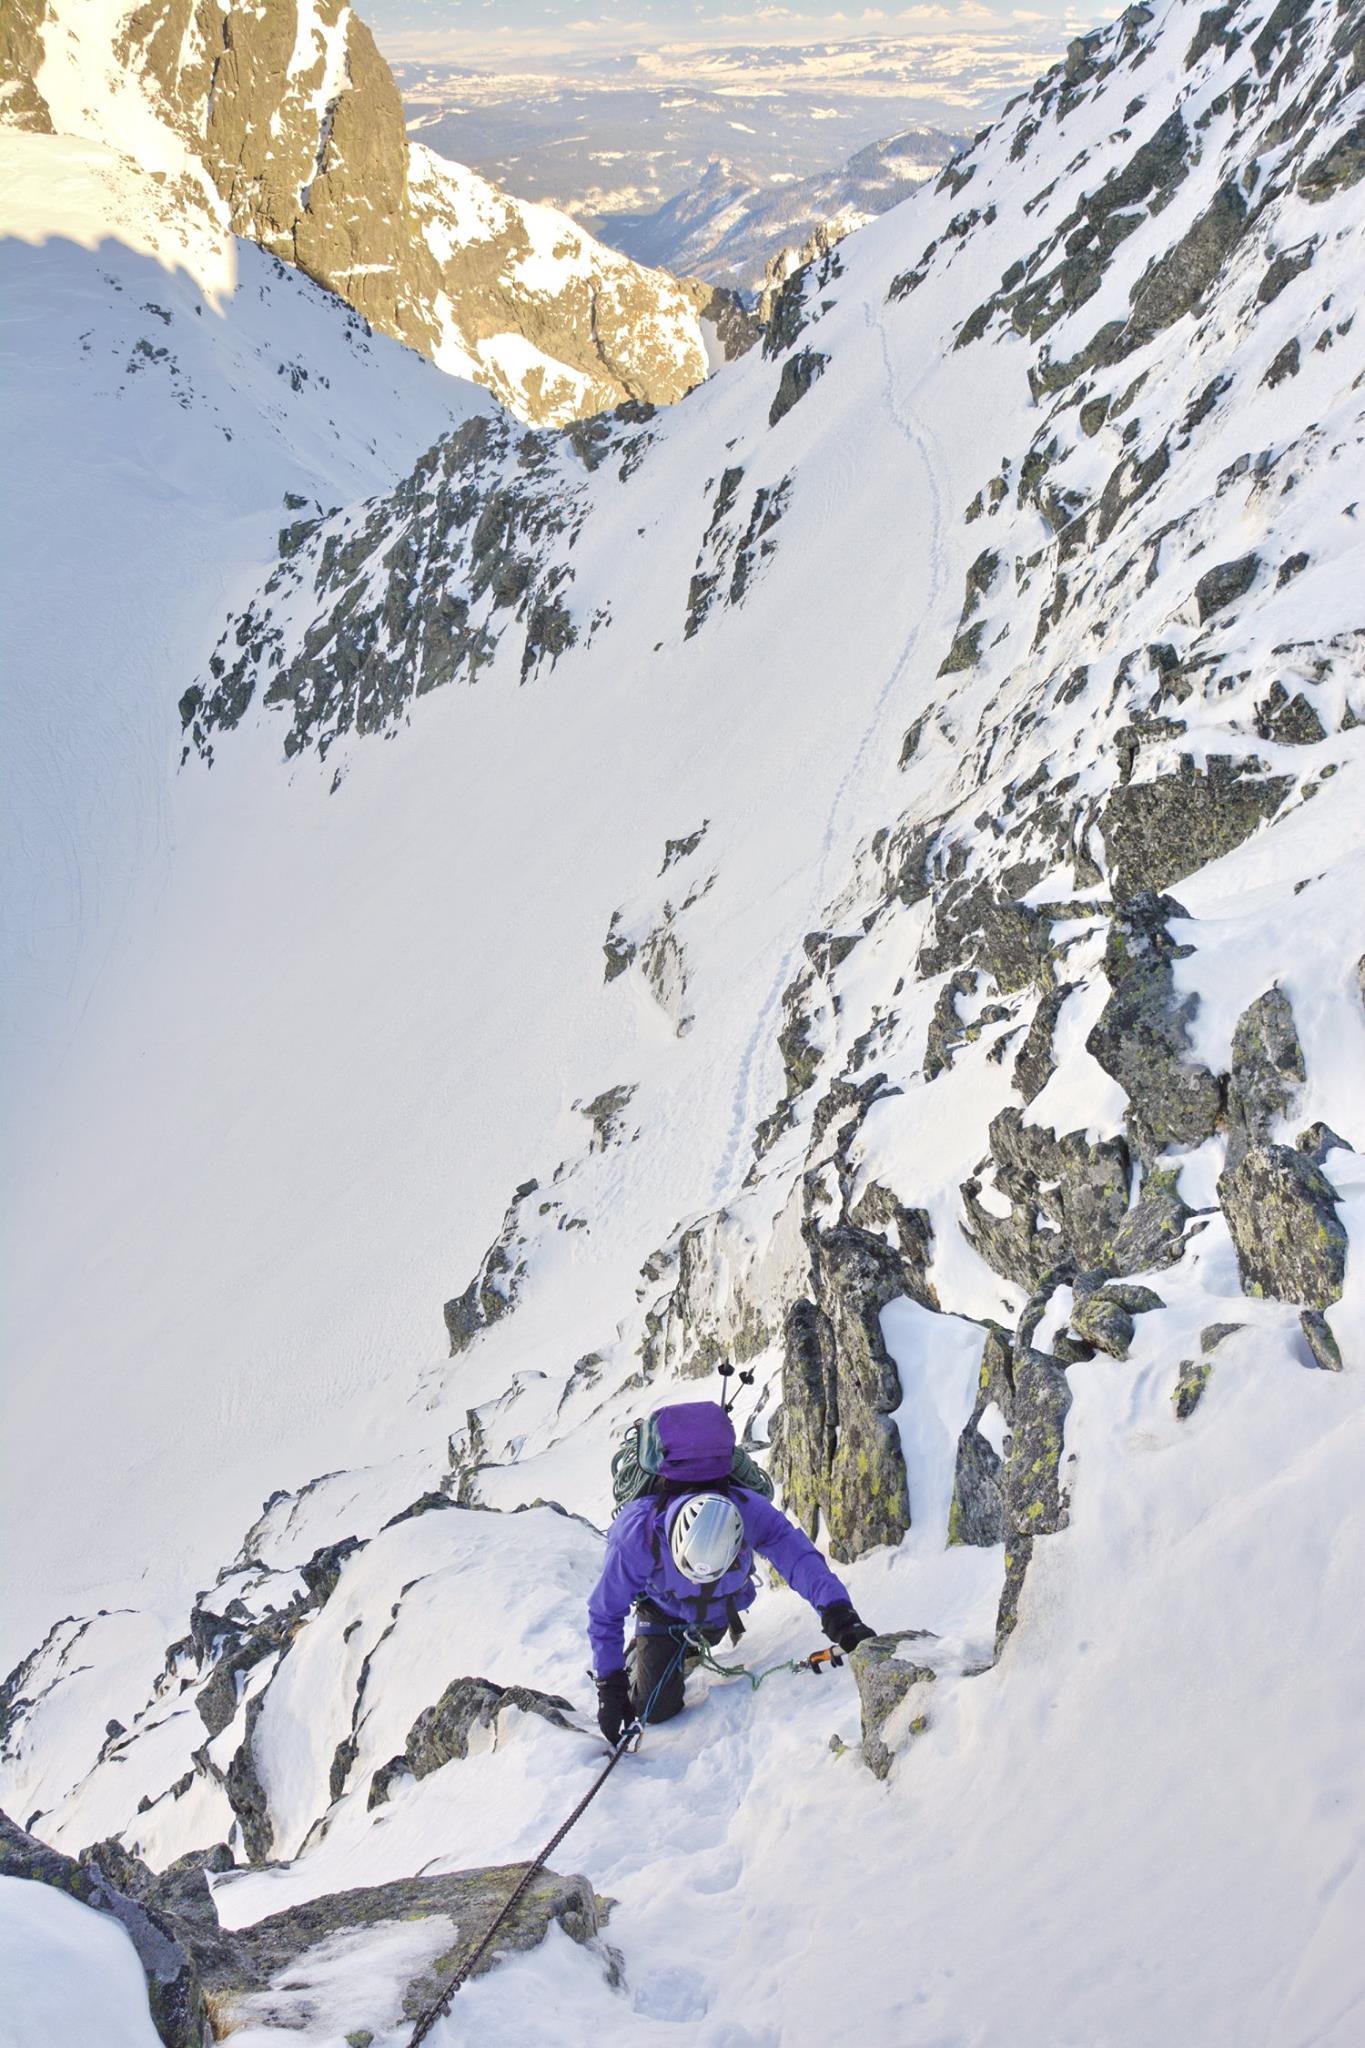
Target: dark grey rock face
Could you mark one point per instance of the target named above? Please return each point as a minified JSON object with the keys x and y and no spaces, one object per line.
{"x":886,"y":1677}
{"x":1035,"y":1063}
{"x":792,"y":281}
{"x":1289,"y":721}
{"x":809,"y":1434}
{"x":441,"y":1733}
{"x":1141,"y":1036}
{"x":1318,"y":1140}
{"x":734,"y":546}
{"x":1178,"y":281}
{"x":855,"y":1275}
{"x":1105,"y":1323}
{"x":493,"y":1291}
{"x":605,"y":1113}
{"x":977,"y":1513}
{"x":247,"y":1795}
{"x":1282,"y":1213}
{"x":1321,"y":1340}
{"x":1221,"y":586}
{"x":1068,"y":1198}
{"x":838,"y":1453}
{"x":799,"y":372}
{"x":408,"y":593}
{"x":217,"y":1699}
{"x":1022,"y":1496}
{"x":1156,"y":832}
{"x":1267,"y":1069}
{"x":1036,"y":1502}
{"x":1152,"y":1233}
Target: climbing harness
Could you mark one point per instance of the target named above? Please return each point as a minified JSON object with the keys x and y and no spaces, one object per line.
{"x":628,"y":1741}
{"x":692,"y":1643}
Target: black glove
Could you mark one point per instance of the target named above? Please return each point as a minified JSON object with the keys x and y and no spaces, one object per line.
{"x":613,"y":1705}
{"x":843,"y":1626}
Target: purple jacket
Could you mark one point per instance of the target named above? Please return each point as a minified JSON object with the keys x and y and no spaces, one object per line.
{"x":639,"y":1562}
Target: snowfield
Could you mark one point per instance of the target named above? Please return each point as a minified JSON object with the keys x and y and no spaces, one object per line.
{"x":880,"y":842}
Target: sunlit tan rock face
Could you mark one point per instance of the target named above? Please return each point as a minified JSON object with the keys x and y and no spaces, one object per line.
{"x":298,"y":121}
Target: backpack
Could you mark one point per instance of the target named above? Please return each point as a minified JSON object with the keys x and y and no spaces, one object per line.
{"x":678,"y":1448}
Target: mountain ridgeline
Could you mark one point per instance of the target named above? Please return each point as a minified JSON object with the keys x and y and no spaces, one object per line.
{"x":296,"y":121}
{"x":1040,"y":1163}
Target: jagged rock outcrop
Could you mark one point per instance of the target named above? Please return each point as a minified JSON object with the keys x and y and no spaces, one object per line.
{"x":493,"y":1291}
{"x":441,"y":1734}
{"x":799,"y":372}
{"x":204,"y":1980}
{"x":1142,"y":1034}
{"x":1267,"y":1067}
{"x":1282,"y":1212}
{"x":366,"y":613}
{"x":839,"y":1453}
{"x":300,"y":129}
{"x":1015,"y":1494}
{"x":737,"y":542}
{"x":887,"y":1679}
{"x":976,"y":1514}
{"x":1066,"y":1195}
{"x":1104,"y":1313}
{"x":1159,"y":831}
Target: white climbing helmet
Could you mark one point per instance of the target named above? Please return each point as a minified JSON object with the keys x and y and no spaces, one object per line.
{"x":706,"y":1538}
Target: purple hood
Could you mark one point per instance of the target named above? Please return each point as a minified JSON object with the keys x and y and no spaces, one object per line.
{"x":638,"y":1562}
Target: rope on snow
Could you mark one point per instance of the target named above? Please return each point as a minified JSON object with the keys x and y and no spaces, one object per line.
{"x":695,"y":1644}
{"x":629,"y":1739}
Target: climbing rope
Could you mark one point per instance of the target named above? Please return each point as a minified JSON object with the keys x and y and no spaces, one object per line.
{"x":818,"y":1661}
{"x":694,"y":1644}
{"x":629,"y":1740}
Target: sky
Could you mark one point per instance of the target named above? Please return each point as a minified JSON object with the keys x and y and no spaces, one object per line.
{"x":485,"y":30}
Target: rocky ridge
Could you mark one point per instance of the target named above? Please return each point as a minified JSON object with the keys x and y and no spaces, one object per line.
{"x":292,"y":125}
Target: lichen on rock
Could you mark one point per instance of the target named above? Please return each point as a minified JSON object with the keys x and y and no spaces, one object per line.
{"x":1282,"y":1213}
{"x":886,"y":1679}
{"x":1266,"y":1071}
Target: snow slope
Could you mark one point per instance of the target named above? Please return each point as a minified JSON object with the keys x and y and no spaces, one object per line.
{"x":701,"y":701}
{"x":169,"y":388}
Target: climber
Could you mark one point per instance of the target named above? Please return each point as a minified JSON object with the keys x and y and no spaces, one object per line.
{"x":683,"y":1555}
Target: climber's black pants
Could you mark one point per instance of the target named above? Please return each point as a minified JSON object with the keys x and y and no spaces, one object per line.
{"x":656,"y":1662}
